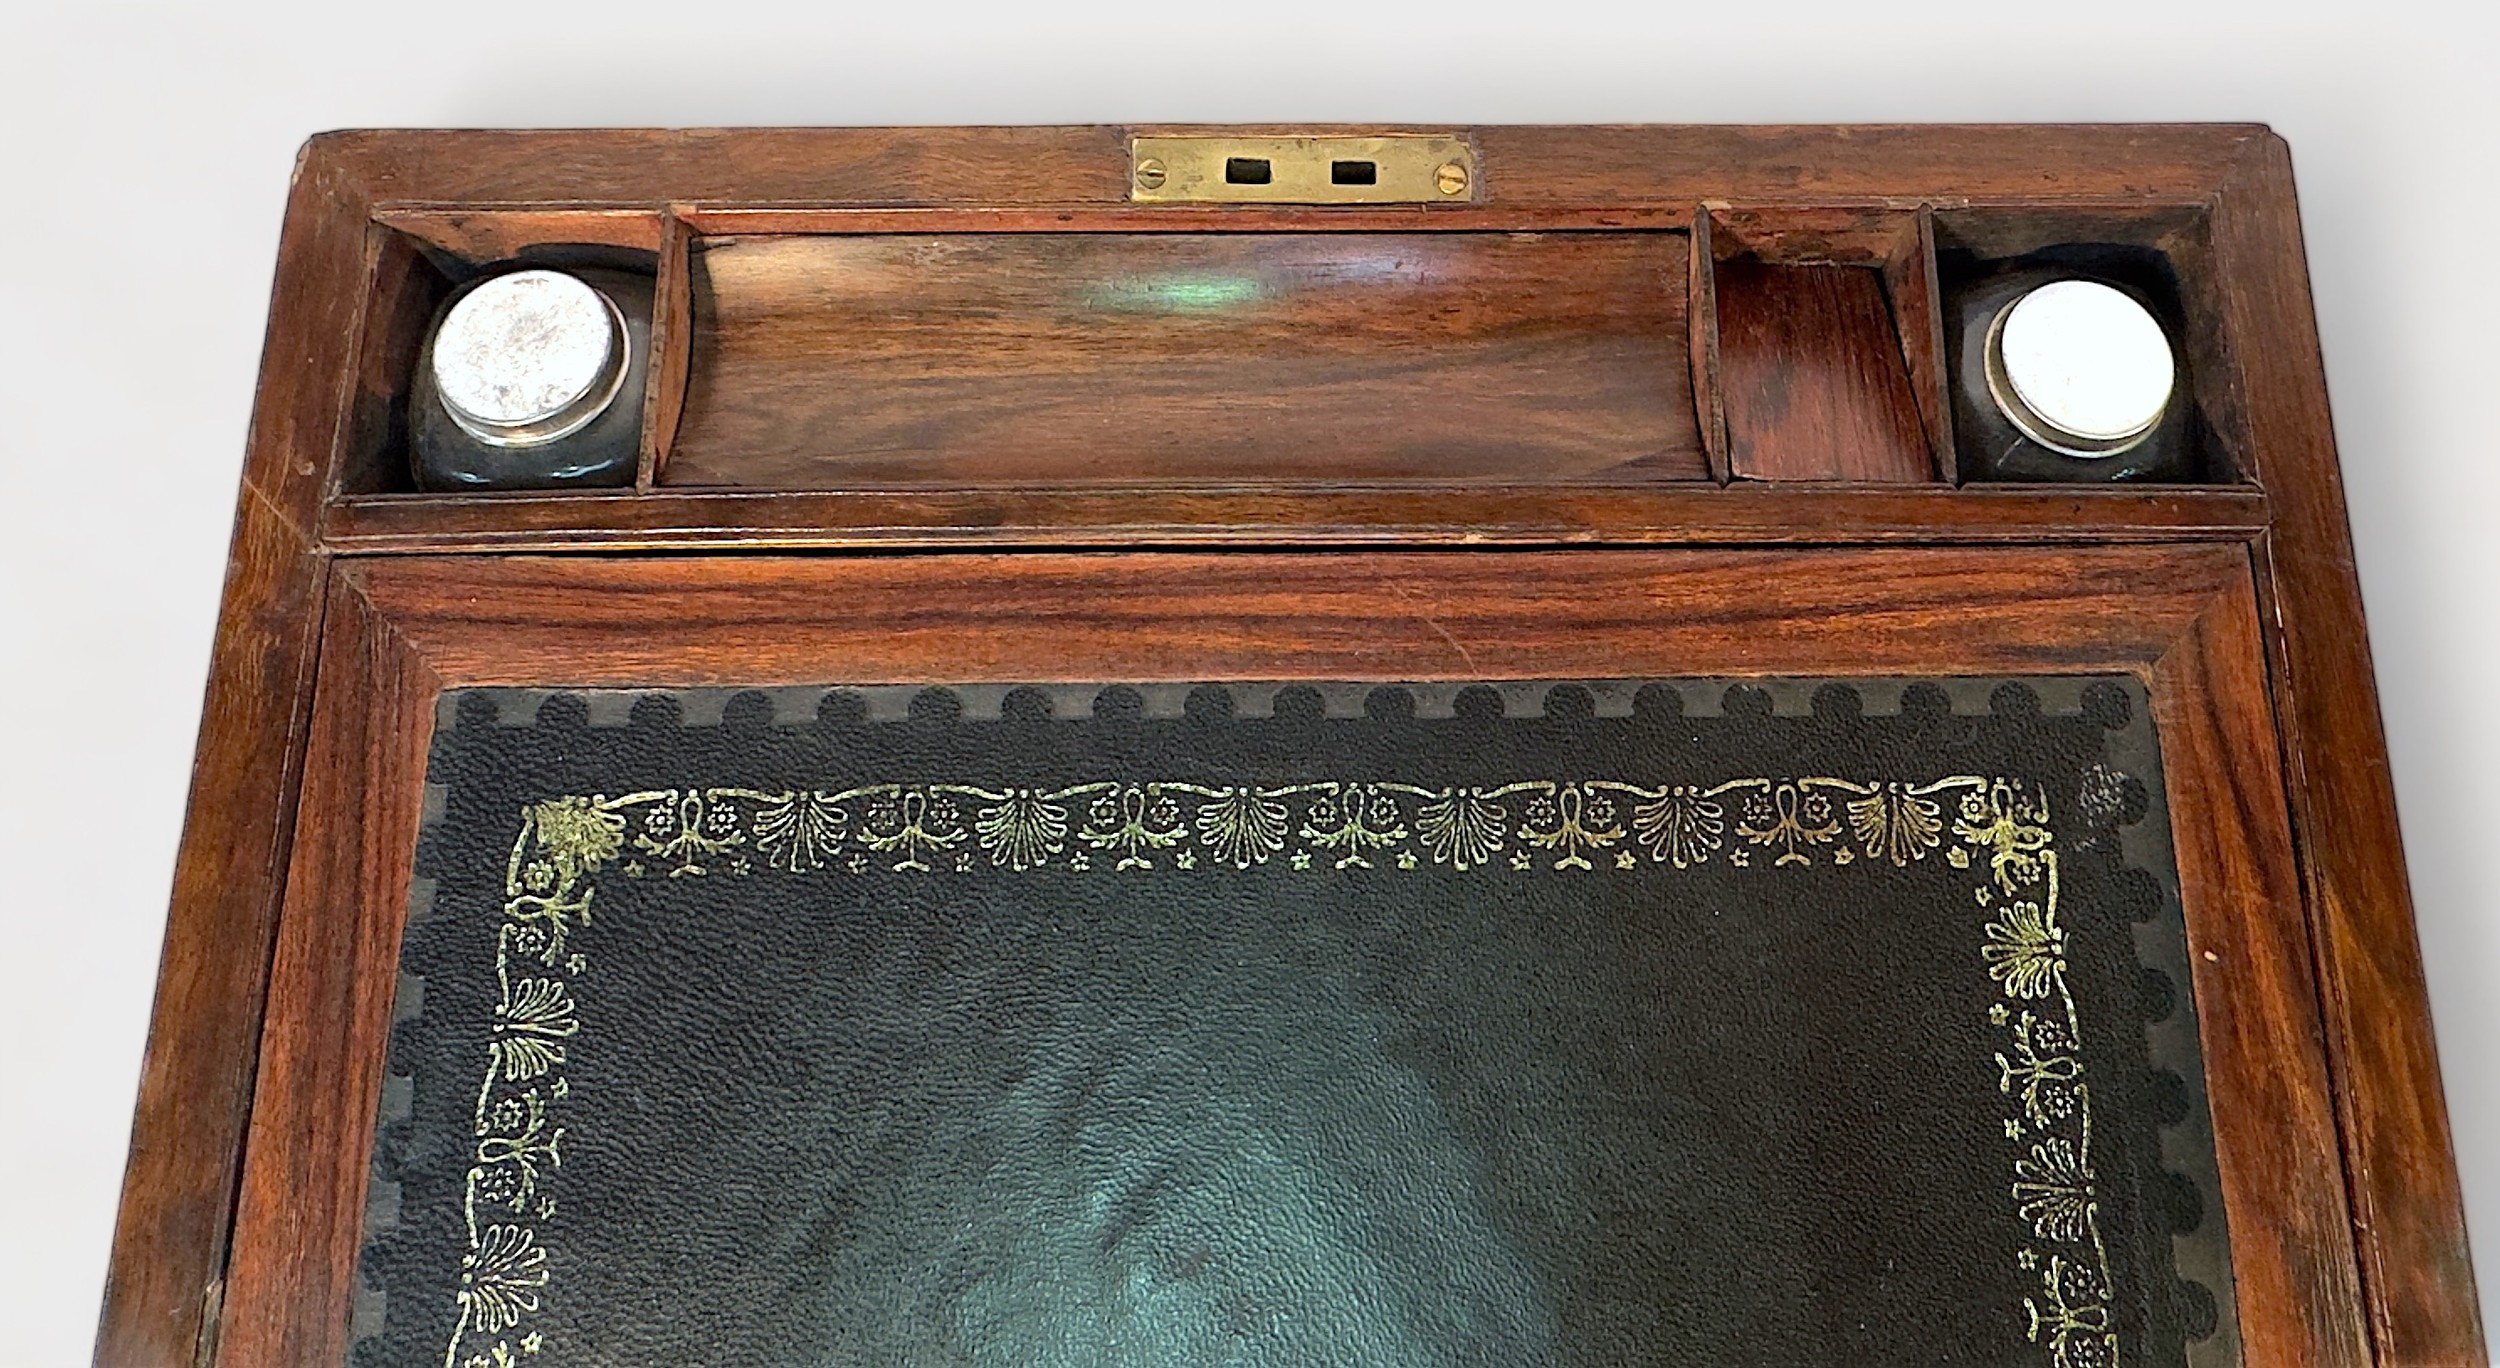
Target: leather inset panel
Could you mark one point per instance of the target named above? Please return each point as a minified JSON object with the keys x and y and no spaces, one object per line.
{"x":1777,"y":1023}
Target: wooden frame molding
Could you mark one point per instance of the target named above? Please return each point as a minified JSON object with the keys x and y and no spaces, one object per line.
{"x":2406,"y":1202}
{"x":2250,"y":631}
{"x":684,"y":520}
{"x":2183,"y":619}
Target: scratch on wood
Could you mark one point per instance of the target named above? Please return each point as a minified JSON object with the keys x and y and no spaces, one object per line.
{"x":1435,"y":624}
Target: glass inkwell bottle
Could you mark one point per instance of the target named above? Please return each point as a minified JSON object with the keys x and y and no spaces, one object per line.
{"x":2069,"y":375}
{"x":533,"y":379}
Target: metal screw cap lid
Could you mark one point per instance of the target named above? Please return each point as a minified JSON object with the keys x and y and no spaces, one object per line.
{"x":2081,"y":367}
{"x":529,"y":357}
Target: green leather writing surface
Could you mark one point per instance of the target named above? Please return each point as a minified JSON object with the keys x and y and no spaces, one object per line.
{"x":1610,"y":1023}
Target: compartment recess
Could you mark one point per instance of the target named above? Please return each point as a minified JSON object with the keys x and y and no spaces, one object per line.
{"x":1294,"y":358}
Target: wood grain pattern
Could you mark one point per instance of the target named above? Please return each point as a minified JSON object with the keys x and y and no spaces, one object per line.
{"x":901,"y":360}
{"x":484,"y":236}
{"x":672,"y":310}
{"x":331,"y":981}
{"x":1993,"y":228}
{"x":1916,"y":294}
{"x":169,"y":1244}
{"x":2218,"y":198}
{"x":1898,"y":242}
{"x":317,"y":306}
{"x":2182,"y":617}
{"x":1671,"y":514}
{"x":2407,"y":1207}
{"x":2256,"y":1000}
{"x":1841,"y":234}
{"x":405,"y":291}
{"x":784,"y":220}
{"x":1171,"y":616}
{"x":1816,"y":387}
{"x":1702,"y":345}
{"x":195,"y":1084}
{"x":1621,"y":164}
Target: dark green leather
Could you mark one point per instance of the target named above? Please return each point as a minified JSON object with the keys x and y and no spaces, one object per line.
{"x":1780,"y":1025}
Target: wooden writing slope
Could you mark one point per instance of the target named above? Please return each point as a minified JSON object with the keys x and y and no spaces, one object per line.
{"x":1100,"y":406}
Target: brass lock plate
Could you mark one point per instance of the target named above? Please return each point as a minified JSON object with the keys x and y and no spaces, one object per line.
{"x":1403,"y":168}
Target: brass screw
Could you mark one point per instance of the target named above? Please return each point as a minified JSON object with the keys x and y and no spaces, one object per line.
{"x":1149,"y":174}
{"x":1452,"y":178}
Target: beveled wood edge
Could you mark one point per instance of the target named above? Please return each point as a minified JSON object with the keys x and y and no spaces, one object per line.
{"x":166,"y":1273}
{"x":195,"y":1085}
{"x":2257,"y":1008}
{"x":2181,"y":617}
{"x":332,"y":979}
{"x":730,"y":220}
{"x":446,"y":226}
{"x":2406,"y":1199}
{"x":446,"y":223}
{"x":1692,"y":512}
{"x":1701,"y":345}
{"x":672,"y":347}
{"x":731,"y":619}
{"x":2407,"y":1203}
{"x":1935,"y":394}
{"x":1062,"y":165}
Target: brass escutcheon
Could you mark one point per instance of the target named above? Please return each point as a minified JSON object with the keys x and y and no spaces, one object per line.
{"x":1401,"y":168}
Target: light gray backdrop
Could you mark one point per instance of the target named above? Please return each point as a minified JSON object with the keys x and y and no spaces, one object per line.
{"x":145,"y":153}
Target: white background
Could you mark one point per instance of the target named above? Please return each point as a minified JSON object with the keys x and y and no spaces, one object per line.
{"x":144,"y":154}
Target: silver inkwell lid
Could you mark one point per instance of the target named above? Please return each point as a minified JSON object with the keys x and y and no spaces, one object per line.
{"x":529,"y":358}
{"x":2081,"y":368}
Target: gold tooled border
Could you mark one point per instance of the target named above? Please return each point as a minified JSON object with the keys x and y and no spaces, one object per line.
{"x":1537,"y":828}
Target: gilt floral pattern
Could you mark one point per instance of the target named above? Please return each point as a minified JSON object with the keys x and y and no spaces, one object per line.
{"x":1681,"y":826}
{"x":500,"y":1278}
{"x":1577,"y":828}
{"x":2026,"y":951}
{"x":1896,"y":823}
